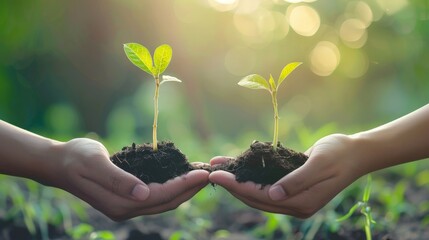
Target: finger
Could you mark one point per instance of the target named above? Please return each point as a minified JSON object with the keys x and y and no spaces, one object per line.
{"x":166,"y":192}
{"x":246,"y":189}
{"x":222,"y":178}
{"x":308,"y":151}
{"x":170,"y":205}
{"x":299,"y":180}
{"x":219,"y":160}
{"x":117,"y":180}
{"x":264,"y":206}
{"x":301,"y":205}
{"x":112,"y":205}
{"x":119,"y":208}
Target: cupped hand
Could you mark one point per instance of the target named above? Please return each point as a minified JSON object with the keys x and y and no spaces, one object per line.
{"x":85,"y":170}
{"x":333,"y":164}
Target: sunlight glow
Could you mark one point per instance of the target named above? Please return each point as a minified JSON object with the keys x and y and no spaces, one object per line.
{"x":303,"y":19}
{"x":324,"y":58}
{"x":248,"y":6}
{"x":299,"y":1}
{"x":240,"y":61}
{"x":362,"y":12}
{"x":262,"y":26}
{"x":224,"y":5}
{"x":353,"y":33}
{"x":391,"y":7}
{"x":246,"y":24}
{"x":226,"y":2}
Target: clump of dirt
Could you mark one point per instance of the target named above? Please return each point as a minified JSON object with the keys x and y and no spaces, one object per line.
{"x":150,"y":166}
{"x":262,"y":164}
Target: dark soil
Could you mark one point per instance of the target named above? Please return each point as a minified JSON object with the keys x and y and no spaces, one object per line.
{"x":153,"y":167}
{"x":262,"y":164}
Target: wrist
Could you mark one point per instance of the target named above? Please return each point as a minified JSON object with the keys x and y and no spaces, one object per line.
{"x":364,"y":151}
{"x":47,"y":162}
{"x":377,"y":149}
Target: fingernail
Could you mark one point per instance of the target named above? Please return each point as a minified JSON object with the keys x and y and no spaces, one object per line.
{"x":277,"y":193}
{"x":140,"y":192}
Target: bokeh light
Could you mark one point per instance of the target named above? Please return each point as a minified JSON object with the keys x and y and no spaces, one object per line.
{"x":324,"y":58}
{"x":360,"y":10}
{"x":303,"y":19}
{"x":248,"y":6}
{"x":345,"y":46}
{"x":392,"y":6}
{"x":353,"y":33}
{"x":299,"y":1}
{"x":224,"y":5}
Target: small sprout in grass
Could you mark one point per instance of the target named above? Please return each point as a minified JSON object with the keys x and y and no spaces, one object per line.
{"x":155,"y":66}
{"x":365,"y":209}
{"x":255,"y":81}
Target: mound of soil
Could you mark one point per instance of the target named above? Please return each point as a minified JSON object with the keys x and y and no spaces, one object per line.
{"x":262,"y":164}
{"x":150,"y":166}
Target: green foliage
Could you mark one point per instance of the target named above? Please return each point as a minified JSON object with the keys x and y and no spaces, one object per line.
{"x":393,"y":199}
{"x":33,"y":49}
{"x":161,"y":58}
{"x":274,"y":224}
{"x":86,"y":231}
{"x":255,"y":81}
{"x":37,"y":207}
{"x":365,"y":209}
{"x":141,"y":57}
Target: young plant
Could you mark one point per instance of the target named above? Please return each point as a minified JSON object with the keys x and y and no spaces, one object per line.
{"x":255,"y":81}
{"x":155,"y":66}
{"x":365,"y":209}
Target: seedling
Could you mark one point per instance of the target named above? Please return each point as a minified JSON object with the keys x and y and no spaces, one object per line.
{"x":365,"y":209}
{"x":156,"y":162}
{"x":265,"y":162}
{"x":141,"y":57}
{"x":255,"y":81}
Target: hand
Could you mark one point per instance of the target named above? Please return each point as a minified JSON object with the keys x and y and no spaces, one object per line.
{"x":85,"y":170}
{"x":333,"y":164}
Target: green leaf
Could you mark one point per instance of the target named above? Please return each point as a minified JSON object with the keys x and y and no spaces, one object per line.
{"x":286,"y":71}
{"x":272,"y":83}
{"x":254,"y":81}
{"x":166,"y":78}
{"x":367,"y":190}
{"x":79,"y":231}
{"x":102,"y":235}
{"x":349,"y":213}
{"x":162,"y":58}
{"x":139,"y":56}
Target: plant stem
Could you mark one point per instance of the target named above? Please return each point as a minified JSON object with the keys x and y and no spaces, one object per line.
{"x":368,"y":230}
{"x":276,"y":118}
{"x":155,"y":115}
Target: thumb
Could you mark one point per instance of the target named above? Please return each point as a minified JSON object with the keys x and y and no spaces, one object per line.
{"x":296,"y":182}
{"x":120,"y":182}
{"x":219,"y":160}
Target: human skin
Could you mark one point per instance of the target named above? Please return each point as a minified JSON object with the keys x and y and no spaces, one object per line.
{"x":82,"y":167}
{"x":334,"y":162}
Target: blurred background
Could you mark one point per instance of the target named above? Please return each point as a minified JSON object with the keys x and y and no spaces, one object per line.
{"x":63,"y":71}
{"x":64,"y":74}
